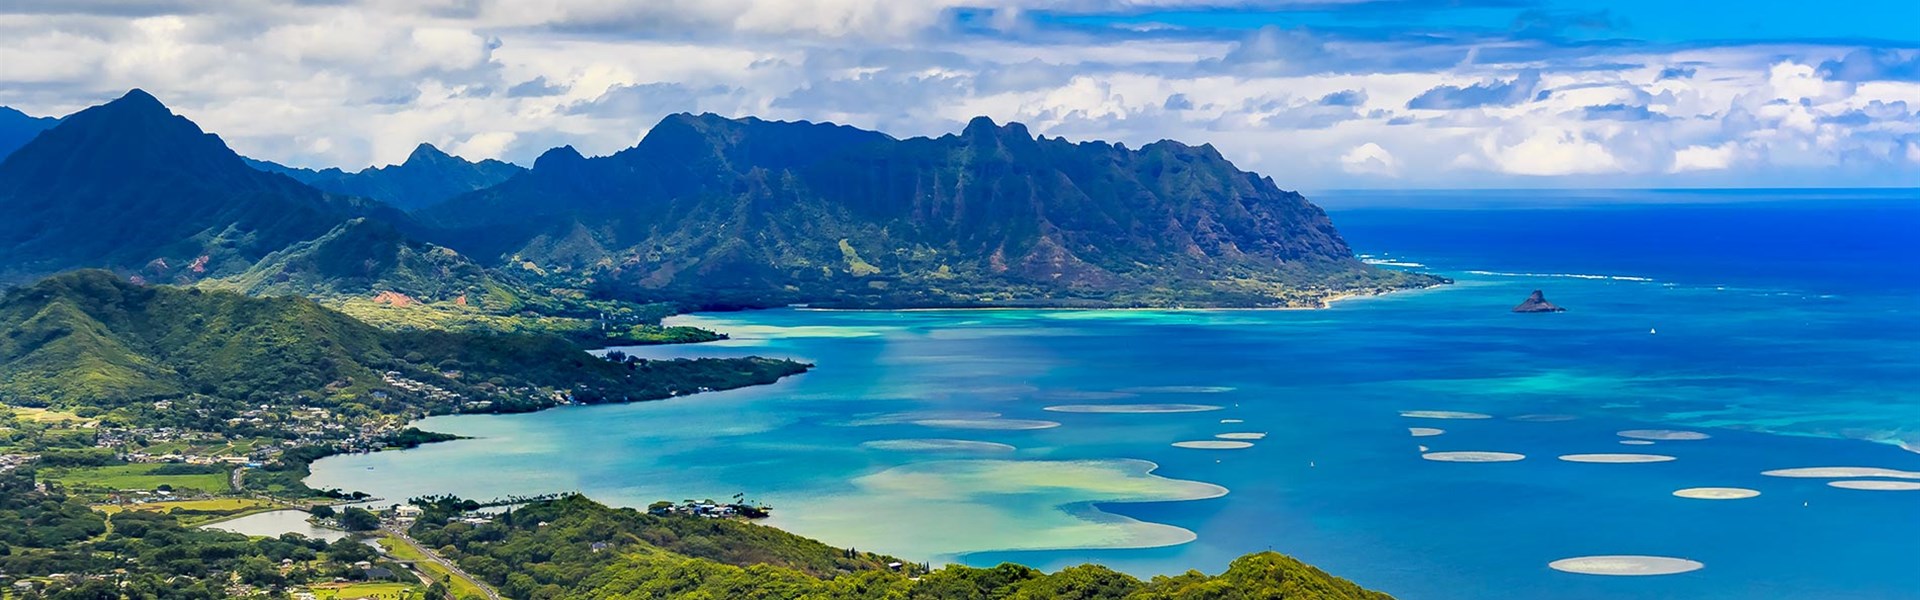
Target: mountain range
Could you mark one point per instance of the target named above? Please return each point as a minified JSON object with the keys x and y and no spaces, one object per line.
{"x":128,"y":185}
{"x":428,"y":176}
{"x":705,"y":211}
{"x":90,"y":338}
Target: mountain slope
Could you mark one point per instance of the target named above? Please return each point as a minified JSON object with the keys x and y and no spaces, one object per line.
{"x":713,"y":210}
{"x":130,"y":186}
{"x":362,"y":258}
{"x":428,"y":176}
{"x":17,"y":128}
{"x":531,"y":553}
{"x":90,"y":339}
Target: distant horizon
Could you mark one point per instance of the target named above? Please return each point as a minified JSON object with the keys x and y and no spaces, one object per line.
{"x":1543,"y":186}
{"x":1354,"y":94}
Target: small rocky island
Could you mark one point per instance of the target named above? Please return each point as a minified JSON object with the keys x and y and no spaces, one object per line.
{"x":1537,"y":303}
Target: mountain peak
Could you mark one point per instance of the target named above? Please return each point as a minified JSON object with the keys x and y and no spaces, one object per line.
{"x":426,"y":152}
{"x":981,"y":125}
{"x":139,"y":97}
{"x":556,"y":157}
{"x":983,"y":128}
{"x":135,"y":106}
{"x":157,"y":181}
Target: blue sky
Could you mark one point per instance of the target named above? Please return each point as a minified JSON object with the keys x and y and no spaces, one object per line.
{"x":1316,"y":93}
{"x":1641,"y":21}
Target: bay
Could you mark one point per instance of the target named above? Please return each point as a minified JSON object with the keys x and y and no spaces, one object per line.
{"x":1784,"y":330}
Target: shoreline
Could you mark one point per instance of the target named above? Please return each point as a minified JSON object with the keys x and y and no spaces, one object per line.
{"x":1324,"y":303}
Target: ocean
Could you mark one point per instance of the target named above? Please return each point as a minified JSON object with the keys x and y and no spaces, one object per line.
{"x":1743,"y":332}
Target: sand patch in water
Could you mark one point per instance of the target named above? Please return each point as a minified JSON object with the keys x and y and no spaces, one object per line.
{"x":1610,"y":458}
{"x":936,"y":445}
{"x":989,"y":424}
{"x":1877,"y":486}
{"x":1213,"y":445}
{"x":1424,"y":431}
{"x":1443,"y":414}
{"x":1130,"y":409}
{"x":1716,"y":493}
{"x":1664,"y":435}
{"x":1473,"y":456}
{"x":1178,"y":389}
{"x":1841,"y":472}
{"x":1625,"y":565}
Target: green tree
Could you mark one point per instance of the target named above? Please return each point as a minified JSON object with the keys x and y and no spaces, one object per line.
{"x":359,"y":519}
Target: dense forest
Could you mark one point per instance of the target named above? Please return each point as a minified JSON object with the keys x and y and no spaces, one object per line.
{"x":71,"y":552}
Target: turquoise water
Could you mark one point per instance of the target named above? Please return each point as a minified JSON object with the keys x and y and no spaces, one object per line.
{"x":1785,"y":333}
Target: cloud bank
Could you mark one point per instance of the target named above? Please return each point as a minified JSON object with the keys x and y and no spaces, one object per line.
{"x":1553,"y":99}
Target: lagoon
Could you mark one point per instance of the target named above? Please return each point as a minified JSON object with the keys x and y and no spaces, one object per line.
{"x":929,"y":434}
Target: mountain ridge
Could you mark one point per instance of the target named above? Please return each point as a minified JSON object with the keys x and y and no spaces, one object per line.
{"x":428,"y":176}
{"x":705,"y":211}
{"x":763,"y":213}
{"x":17,"y":128}
{"x":89,"y":338}
{"x":131,"y":186}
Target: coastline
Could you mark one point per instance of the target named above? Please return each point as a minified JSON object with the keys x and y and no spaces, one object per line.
{"x":1324,"y":303}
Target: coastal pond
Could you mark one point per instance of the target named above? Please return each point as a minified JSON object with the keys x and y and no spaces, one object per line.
{"x":275,"y":523}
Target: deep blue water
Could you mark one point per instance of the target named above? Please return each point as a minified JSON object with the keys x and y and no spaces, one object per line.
{"x":1786,"y":331}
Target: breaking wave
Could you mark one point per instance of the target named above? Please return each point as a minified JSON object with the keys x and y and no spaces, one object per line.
{"x":1566,"y":275}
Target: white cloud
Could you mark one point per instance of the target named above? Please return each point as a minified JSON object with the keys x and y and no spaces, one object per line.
{"x":1370,"y":159}
{"x":349,"y":83}
{"x":1702,"y":158}
{"x":483,"y":145}
{"x":1551,"y":152}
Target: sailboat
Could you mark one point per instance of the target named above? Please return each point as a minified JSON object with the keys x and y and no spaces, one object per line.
{"x":1652,"y":331}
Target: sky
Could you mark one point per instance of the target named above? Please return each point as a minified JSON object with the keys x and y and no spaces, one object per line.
{"x":1319,"y":94}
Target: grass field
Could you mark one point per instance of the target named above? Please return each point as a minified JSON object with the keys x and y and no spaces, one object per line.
{"x":354,"y":591}
{"x":42,"y":415}
{"x":133,"y":477}
{"x":401,"y":551}
{"x":211,"y":504}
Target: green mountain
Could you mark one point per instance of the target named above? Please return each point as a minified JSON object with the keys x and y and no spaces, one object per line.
{"x":429,"y":176}
{"x":368,"y":259}
{"x":129,"y":186}
{"x":18,"y":128}
{"x":91,"y":339}
{"x":374,"y":273}
{"x":708,"y":210}
{"x":574,"y":548}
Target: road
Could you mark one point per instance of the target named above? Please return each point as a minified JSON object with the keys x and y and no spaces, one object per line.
{"x":435,"y":557}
